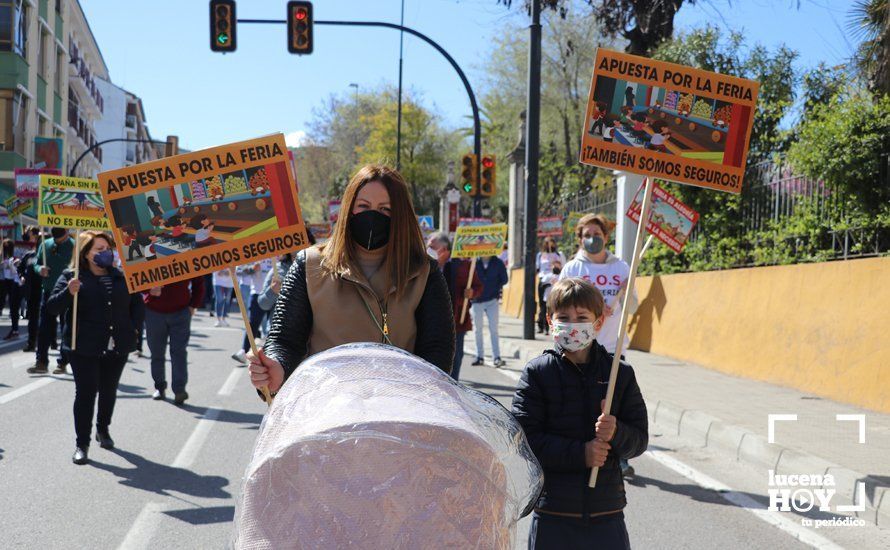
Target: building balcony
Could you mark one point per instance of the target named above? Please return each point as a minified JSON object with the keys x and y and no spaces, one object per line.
{"x":131,"y":121}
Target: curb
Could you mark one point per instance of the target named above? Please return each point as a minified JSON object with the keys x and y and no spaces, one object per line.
{"x":704,"y":430}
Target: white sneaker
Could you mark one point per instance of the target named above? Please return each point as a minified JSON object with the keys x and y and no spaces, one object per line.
{"x":217,"y":323}
{"x":240,"y":356}
{"x":225,"y":322}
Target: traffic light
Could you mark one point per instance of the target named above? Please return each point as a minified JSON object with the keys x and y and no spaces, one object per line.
{"x":222,"y":26}
{"x":488,"y":182}
{"x":299,"y":27}
{"x":468,"y":174}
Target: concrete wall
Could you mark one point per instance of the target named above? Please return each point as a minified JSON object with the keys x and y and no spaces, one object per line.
{"x":820,"y":328}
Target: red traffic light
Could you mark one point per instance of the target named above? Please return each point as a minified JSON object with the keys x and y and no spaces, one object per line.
{"x":487,"y":162}
{"x":300,"y":14}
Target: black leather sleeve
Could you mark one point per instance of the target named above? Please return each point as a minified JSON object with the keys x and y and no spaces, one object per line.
{"x":435,"y":322}
{"x":288,"y":340}
{"x":632,"y":432}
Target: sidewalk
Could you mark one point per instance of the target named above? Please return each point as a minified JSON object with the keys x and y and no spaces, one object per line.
{"x":730,"y":415}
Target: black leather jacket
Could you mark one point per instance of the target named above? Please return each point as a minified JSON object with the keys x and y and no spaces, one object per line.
{"x":288,"y":340}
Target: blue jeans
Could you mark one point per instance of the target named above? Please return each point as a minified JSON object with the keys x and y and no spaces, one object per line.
{"x":221,"y":295}
{"x":176,"y":328}
{"x":489,"y":309}
{"x":458,"y":353}
{"x":256,"y":320}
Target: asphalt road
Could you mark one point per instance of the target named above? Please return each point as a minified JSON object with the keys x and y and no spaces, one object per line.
{"x":172,"y":480}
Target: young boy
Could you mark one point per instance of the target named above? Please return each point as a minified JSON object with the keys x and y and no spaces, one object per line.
{"x":559,"y":403}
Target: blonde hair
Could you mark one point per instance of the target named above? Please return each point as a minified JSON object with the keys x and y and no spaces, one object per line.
{"x":603,"y":222}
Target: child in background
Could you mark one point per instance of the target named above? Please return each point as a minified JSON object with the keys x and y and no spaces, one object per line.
{"x":556,"y":404}
{"x":547,"y":282}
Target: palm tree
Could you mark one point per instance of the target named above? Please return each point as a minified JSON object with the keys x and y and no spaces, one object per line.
{"x":870,"y":21}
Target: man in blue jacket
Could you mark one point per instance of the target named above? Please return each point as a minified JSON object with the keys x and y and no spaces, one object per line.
{"x":493,"y":274}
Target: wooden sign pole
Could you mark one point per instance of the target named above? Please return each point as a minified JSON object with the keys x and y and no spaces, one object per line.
{"x":622,"y":328}
{"x":463,"y":313}
{"x":244,"y":317}
{"x":623,"y":290}
{"x":76,"y":294}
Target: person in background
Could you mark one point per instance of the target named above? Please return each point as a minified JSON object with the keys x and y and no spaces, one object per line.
{"x":107,"y":315}
{"x":493,"y":274}
{"x":208,"y":294}
{"x":222,"y":293}
{"x":606,"y":272}
{"x":457,"y":273}
{"x":272,"y":284}
{"x":168,"y":318}
{"x":59,"y":251}
{"x":255,"y":275}
{"x":556,"y":405}
{"x":11,"y":287}
{"x":547,"y":282}
{"x":32,"y":289}
{"x":371,"y":282}
{"x":544,"y":266}
{"x":505,"y":255}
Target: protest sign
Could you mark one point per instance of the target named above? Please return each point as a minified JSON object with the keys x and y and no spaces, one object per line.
{"x":5,"y":221}
{"x":73,"y":203}
{"x":48,"y":153}
{"x":192,"y":214}
{"x":477,"y":241}
{"x":474,"y":221}
{"x":27,"y":181}
{"x":668,"y":121}
{"x":550,"y":227}
{"x":20,"y":207}
{"x":333,"y":210}
{"x":472,"y":241}
{"x":671,"y":220}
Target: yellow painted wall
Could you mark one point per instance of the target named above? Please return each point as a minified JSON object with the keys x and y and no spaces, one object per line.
{"x":820,"y":328}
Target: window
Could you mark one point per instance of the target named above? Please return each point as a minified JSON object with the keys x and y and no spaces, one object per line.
{"x":43,"y":126}
{"x":7,"y":140}
{"x":42,"y":54}
{"x":19,"y":121}
{"x":59,"y":7}
{"x":61,"y":70}
{"x":20,"y":44}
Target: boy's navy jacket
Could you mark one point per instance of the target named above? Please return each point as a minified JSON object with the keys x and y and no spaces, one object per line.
{"x":557,"y":404}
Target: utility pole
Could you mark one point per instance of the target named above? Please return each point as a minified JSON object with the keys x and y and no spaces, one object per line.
{"x":399,"y":116}
{"x":532,"y":149}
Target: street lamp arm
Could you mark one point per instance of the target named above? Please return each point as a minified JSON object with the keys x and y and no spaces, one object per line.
{"x":103,"y":142}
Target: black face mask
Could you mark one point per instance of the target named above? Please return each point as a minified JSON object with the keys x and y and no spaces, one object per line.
{"x":370,"y":229}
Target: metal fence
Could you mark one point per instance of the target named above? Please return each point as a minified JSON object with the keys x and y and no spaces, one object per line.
{"x":773,"y":193}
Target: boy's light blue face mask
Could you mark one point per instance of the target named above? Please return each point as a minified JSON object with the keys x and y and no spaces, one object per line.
{"x":573,"y":336}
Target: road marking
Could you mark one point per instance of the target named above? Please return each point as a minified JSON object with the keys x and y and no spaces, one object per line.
{"x":195,"y":441}
{"x":26,"y":389}
{"x":776,"y":519}
{"x":229,"y":386}
{"x":511,"y":374}
{"x":149,"y":517}
{"x":144,"y":527}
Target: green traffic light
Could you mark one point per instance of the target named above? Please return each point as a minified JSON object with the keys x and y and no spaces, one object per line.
{"x":468,"y":187}
{"x":222,"y":38}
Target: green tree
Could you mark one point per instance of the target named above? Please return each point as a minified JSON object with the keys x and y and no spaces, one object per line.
{"x":870,"y":22}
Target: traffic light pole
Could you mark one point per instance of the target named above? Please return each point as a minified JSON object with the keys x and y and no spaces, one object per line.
{"x":477,"y":127}
{"x":532,"y":149}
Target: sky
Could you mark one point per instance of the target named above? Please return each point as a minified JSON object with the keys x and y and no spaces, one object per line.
{"x":159,"y":50}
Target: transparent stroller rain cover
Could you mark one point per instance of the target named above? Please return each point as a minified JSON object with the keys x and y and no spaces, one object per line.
{"x":368,"y":446}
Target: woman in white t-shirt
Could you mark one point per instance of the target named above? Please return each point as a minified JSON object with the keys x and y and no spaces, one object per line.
{"x":222,"y":293}
{"x":544,"y":262}
{"x":607,"y":272}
